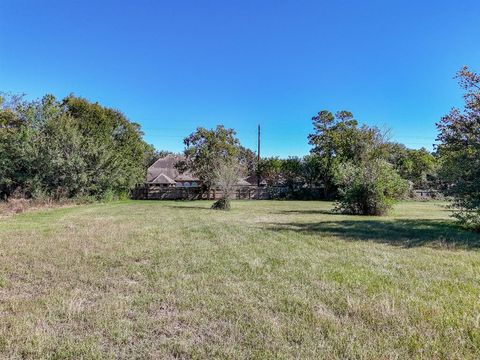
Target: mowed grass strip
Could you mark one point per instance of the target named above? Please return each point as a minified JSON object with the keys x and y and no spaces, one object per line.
{"x":268,"y":279}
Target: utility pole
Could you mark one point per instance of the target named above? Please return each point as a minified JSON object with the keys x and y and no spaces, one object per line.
{"x":258,"y":157}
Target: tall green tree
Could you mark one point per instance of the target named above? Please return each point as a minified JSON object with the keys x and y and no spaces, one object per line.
{"x":270,"y":170}
{"x":311,"y":169}
{"x":18,"y":148}
{"x":292,"y":169}
{"x":68,"y":148}
{"x":459,"y":152}
{"x":113,"y":146}
{"x":352,"y":161}
{"x":247,"y":159}
{"x":206,"y":149}
{"x":416,"y":165}
{"x":337,"y":139}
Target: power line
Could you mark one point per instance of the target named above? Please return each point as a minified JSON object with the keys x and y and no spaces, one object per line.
{"x":185,"y":131}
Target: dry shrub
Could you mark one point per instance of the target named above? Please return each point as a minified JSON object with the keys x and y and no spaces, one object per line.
{"x":18,"y":205}
{"x":226,"y":175}
{"x":221,"y":204}
{"x":15,"y":206}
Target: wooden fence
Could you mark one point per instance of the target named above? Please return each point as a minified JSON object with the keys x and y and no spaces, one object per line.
{"x":155,"y":192}
{"x":427,"y":194}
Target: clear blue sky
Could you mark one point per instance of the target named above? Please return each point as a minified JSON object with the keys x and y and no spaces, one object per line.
{"x":175,"y":65}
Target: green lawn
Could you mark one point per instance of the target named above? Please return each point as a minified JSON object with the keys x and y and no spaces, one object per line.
{"x":268,"y":279}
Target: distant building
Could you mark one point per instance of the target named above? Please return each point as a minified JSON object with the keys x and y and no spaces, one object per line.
{"x":254,"y":180}
{"x":164,"y":173}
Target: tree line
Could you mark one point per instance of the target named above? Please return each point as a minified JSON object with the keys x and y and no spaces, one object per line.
{"x":337,"y":140}
{"x":68,"y":148}
{"x":351,"y":163}
{"x":356,"y":164}
{"x":75,"y":148}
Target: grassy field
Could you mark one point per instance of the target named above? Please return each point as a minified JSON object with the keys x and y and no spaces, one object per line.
{"x":267,"y":280}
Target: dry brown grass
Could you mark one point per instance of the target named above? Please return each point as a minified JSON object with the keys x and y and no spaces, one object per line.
{"x":20,"y":205}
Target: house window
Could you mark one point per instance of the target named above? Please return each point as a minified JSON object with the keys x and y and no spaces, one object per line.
{"x":186,"y":184}
{"x":194,"y":184}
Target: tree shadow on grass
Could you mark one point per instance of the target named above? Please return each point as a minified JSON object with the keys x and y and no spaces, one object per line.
{"x":187,"y":207}
{"x":405,"y":233}
{"x":307,"y":212}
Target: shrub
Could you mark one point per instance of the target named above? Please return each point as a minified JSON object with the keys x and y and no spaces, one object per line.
{"x":226,"y":176}
{"x":221,"y":204}
{"x":369,"y":188}
{"x":108,"y":196}
{"x":469,"y":218}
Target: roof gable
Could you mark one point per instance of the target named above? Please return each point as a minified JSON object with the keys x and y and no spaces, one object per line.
{"x":162,"y":179}
{"x":166,"y":166}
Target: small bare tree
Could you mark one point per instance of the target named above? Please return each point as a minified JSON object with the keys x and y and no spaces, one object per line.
{"x":226,"y":177}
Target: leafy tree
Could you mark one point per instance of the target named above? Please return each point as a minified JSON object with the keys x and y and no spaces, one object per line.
{"x":17,"y":146}
{"x":324,"y":144}
{"x":365,"y":182}
{"x":270,"y":170}
{"x":247,"y":159}
{"x":291,"y":170}
{"x":338,"y":139}
{"x":206,"y":149}
{"x":113,"y":146}
{"x":68,"y":148}
{"x":459,"y":152}
{"x":417,"y":166}
{"x":311,"y":169}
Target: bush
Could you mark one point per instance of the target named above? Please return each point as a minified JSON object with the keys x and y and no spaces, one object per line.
{"x":467,"y":217}
{"x":368,"y":188}
{"x":108,"y":196}
{"x":221,"y":204}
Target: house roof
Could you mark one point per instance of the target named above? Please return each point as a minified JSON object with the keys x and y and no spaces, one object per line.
{"x":163,"y":171}
{"x":166,"y":166}
{"x":243,"y":182}
{"x":186,"y":176}
{"x":162,"y":179}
